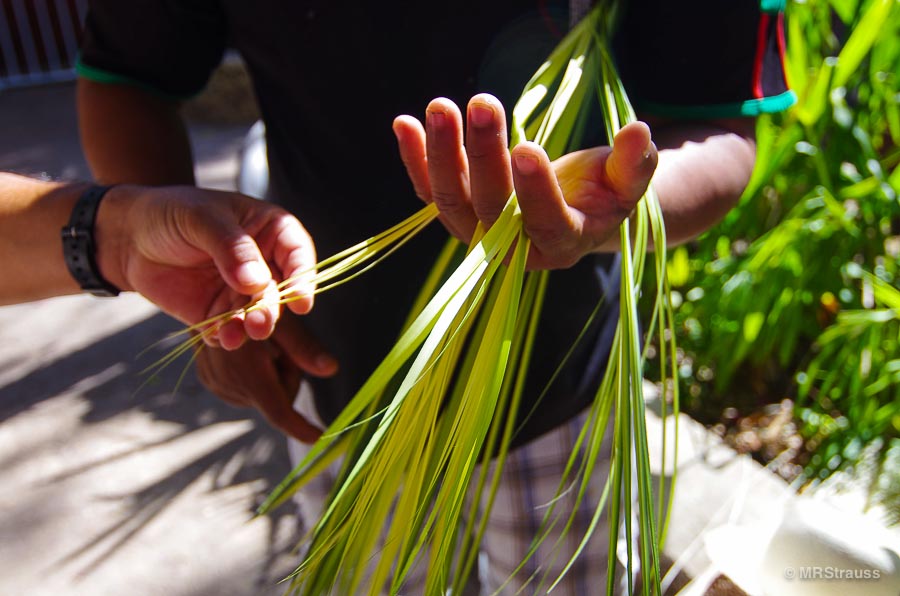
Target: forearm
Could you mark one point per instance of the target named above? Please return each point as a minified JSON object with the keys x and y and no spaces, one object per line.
{"x":703,"y":169}
{"x":32,"y":213}
{"x":129,"y":135}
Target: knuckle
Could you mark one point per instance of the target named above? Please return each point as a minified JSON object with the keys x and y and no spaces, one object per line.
{"x":475,"y":152}
{"x":557,"y":261}
{"x":555,"y":246}
{"x":423,"y":192}
{"x":549,"y":239}
{"x":447,"y":202}
{"x":243,"y":246}
{"x":488,"y":213}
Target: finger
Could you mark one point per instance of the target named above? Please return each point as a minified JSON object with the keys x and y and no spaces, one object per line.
{"x":260,"y":319}
{"x":448,"y":167}
{"x":303,"y":349}
{"x":230,"y":334}
{"x":295,"y":255}
{"x":275,"y":403}
{"x":206,"y":361}
{"x":270,"y":392}
{"x":210,"y":337}
{"x":411,"y":141}
{"x":554,"y":228}
{"x":233,"y":250}
{"x":631,"y":163}
{"x":277,"y":408}
{"x":224,"y":373}
{"x":288,"y":372}
{"x":488,"y":155}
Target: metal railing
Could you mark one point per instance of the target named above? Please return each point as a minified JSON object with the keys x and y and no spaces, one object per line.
{"x":39,"y":40}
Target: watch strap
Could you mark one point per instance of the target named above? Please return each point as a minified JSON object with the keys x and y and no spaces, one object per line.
{"x":79,"y":245}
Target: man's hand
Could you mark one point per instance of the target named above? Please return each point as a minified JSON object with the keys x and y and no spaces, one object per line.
{"x":266,"y":375}
{"x":570,"y":207}
{"x":198,"y":253}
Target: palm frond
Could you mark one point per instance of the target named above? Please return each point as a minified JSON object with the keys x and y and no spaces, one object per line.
{"x":446,"y":397}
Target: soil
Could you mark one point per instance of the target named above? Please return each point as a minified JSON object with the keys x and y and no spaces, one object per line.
{"x":768,"y":434}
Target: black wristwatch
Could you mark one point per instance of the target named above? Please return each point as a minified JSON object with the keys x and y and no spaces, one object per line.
{"x":79,"y":247}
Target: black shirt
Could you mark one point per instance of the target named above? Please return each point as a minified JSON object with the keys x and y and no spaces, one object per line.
{"x":330,"y":77}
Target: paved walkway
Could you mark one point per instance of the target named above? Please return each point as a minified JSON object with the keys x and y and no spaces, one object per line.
{"x":110,"y":485}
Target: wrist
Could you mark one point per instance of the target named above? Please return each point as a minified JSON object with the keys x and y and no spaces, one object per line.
{"x":112,"y":236}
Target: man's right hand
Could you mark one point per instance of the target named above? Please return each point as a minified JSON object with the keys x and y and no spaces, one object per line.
{"x":266,"y":375}
{"x":261,"y":374}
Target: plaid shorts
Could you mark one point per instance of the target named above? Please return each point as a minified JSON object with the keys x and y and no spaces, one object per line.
{"x":529,"y":482}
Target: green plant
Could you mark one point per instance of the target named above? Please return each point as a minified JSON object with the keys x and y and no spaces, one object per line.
{"x":792,"y":294}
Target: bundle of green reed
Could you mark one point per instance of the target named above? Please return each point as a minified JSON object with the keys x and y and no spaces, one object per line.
{"x":417,"y":438}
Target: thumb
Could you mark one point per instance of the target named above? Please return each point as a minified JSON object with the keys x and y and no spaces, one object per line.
{"x":233,"y":250}
{"x":632,"y":162}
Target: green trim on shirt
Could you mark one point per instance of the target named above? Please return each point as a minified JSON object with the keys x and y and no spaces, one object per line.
{"x":99,"y":75}
{"x":772,"y":6}
{"x":749,"y":108}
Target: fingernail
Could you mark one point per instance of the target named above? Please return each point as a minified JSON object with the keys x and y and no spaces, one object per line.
{"x":252,"y":273}
{"x":648,"y":150}
{"x":436,"y":118}
{"x":257,"y":314}
{"x":257,"y":317}
{"x":481,"y":115}
{"x":326,"y":363}
{"x":526,"y":164}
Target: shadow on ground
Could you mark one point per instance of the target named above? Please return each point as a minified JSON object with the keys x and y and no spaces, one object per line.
{"x":106,"y":488}
{"x":251,"y":455}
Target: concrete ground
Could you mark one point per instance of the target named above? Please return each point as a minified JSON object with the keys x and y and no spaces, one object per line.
{"x":112,"y":483}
